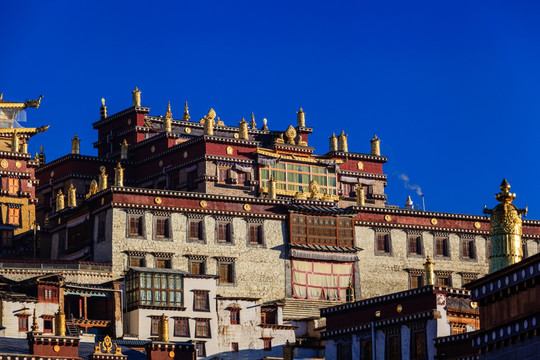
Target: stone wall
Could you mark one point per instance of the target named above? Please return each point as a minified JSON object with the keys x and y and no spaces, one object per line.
{"x":9,"y":319}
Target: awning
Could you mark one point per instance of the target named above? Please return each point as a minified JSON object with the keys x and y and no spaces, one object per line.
{"x":314,"y":255}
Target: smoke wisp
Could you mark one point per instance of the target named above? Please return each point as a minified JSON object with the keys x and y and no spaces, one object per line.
{"x":408,"y":185}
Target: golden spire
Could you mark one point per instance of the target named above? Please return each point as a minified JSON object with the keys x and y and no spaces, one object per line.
{"x":272,"y":188}
{"x":360,"y":196}
{"x":103,"y":112}
{"x":60,"y":319}
{"x":15,"y":142}
{"x":265,"y":126}
{"x":186,"y":116}
{"x":301,"y":118}
{"x":375,"y":146}
{"x":290,"y":133}
{"x":75,"y":145}
{"x":59,"y":200}
{"x":343,"y":145}
{"x":124,"y":146}
{"x":103,"y":179}
{"x":136,"y":97}
{"x":505,"y":230}
{"x":243,"y":129}
{"x":163,"y":328}
{"x":72,"y":196}
{"x":429,"y":272}
{"x":253,"y":124}
{"x":35,"y":326}
{"x":167,"y":123}
{"x":41,"y":156}
{"x":209,"y":122}
{"x":118,"y":176}
{"x":333,"y":143}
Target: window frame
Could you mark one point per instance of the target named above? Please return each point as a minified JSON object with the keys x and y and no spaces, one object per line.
{"x":468,"y":249}
{"x":234,"y":316}
{"x":101,"y":227}
{"x":417,"y":276}
{"x":267,"y":343}
{"x":227,"y":232}
{"x":231,"y":276}
{"x":200,"y":230}
{"x":140,"y":226}
{"x":198,"y":322}
{"x":14,"y":215}
{"x":165,"y":260}
{"x":154,"y":326}
{"x":200,"y":348}
{"x":14,"y":186}
{"x":418,"y":245}
{"x":22,"y":321}
{"x":259,"y":235}
{"x":201,"y":264}
{"x":166,"y":228}
{"x":179,"y":324}
{"x":389,"y":346}
{"x":235,"y":347}
{"x":445,"y":247}
{"x":383,"y":246}
{"x":201,"y":300}
{"x":414,"y":347}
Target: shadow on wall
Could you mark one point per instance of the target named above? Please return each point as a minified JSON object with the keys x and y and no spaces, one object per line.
{"x":275,"y":353}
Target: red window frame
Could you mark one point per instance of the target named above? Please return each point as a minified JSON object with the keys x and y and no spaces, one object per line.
{"x":201,"y":300}
{"x":267,"y":344}
{"x":181,"y":327}
{"x":13,"y":186}
{"x":14,"y":216}
{"x":202,"y":328}
{"x":235,"y":316}
{"x":23,"y":322}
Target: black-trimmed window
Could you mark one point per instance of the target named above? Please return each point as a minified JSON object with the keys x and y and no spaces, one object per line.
{"x":202,"y":328}
{"x":224,"y":234}
{"x":7,"y":238}
{"x":23,"y":322}
{"x":48,"y":323}
{"x":181,"y":327}
{"x":14,"y":216}
{"x":343,"y":351}
{"x":393,"y":347}
{"x":366,"y":350}
{"x":255,"y":234}
{"x":414,"y":244}
{"x":235,"y":316}
{"x":153,"y":289}
{"x":200,"y":347}
{"x":226,"y":272}
{"x":382,"y":242}
{"x":468,"y":250}
{"x":163,"y":263}
{"x":154,"y":326}
{"x":418,"y":345}
{"x":267,"y":343}
{"x":161,"y":225}
{"x":197,"y":267}
{"x":196,"y":229}
{"x":136,"y":261}
{"x":201,"y":300}
{"x":135,"y":226}
{"x":442,"y":246}
{"x":444,"y":280}
{"x":234,"y":347}
{"x":416,"y":281}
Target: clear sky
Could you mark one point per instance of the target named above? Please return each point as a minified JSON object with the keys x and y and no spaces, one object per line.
{"x":450,"y":87}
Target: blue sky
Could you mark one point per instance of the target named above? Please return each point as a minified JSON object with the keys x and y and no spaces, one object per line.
{"x":451,"y":88}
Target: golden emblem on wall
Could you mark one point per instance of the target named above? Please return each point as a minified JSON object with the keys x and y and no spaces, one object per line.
{"x":433,"y":221}
{"x":203,"y":203}
{"x":229,"y":150}
{"x":4,"y":164}
{"x":474,"y":304}
{"x":360,"y":165}
{"x":187,"y":130}
{"x":18,"y":164}
{"x":477,"y":225}
{"x":171,"y":354}
{"x":247,"y":207}
{"x":399,"y":308}
{"x":102,"y":168}
{"x":56,"y":348}
{"x":235,"y":135}
{"x":387,"y":218}
{"x":158,"y":200}
{"x":129,"y":121}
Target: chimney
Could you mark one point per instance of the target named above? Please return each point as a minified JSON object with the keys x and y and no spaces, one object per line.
{"x":409,"y":204}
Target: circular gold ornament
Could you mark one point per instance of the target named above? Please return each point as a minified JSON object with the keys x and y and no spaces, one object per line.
{"x":18,"y":164}
{"x":203,"y":203}
{"x":360,"y":165}
{"x":56,"y":348}
{"x":102,"y":168}
{"x":477,"y":225}
{"x":387,"y":217}
{"x":236,"y":135}
{"x":160,"y":163}
{"x":171,"y":354}
{"x":434,"y":221}
{"x":153,"y":148}
{"x":474,"y":304}
{"x":158,"y":200}
{"x":399,"y":308}
{"x":247,"y":207}
{"x":229,"y":150}
{"x":185,"y":154}
{"x":4,"y":164}
{"x":187,"y":130}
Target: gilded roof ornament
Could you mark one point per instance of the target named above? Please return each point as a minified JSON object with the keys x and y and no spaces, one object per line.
{"x":375,"y":146}
{"x":314,"y":189}
{"x":265,"y":126}
{"x":243,"y":129}
{"x":167,"y":124}
{"x":75,"y":145}
{"x":279,"y":139}
{"x":19,"y":105}
{"x":186,"y":116}
{"x":343,"y":145}
{"x":301,"y":118}
{"x":333,"y":143}
{"x":290,"y":133}
{"x":253,"y":124}
{"x":103,"y":109}
{"x":136,"y":97}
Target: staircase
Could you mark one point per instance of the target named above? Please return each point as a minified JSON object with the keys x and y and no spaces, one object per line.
{"x":72,"y":329}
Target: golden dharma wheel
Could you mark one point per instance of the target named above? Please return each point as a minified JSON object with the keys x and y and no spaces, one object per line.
{"x":158,"y":200}
{"x":203,"y":203}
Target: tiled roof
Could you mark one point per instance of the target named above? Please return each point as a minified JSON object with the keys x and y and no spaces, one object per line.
{"x":297,"y":309}
{"x":322,"y":209}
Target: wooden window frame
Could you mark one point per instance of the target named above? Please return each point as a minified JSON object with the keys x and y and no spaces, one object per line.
{"x":14,"y":216}
{"x":135,"y":226}
{"x":468,"y":249}
{"x":201,"y":265}
{"x":389,"y":347}
{"x":414,"y":245}
{"x":223,"y":175}
{"x":241,"y":178}
{"x":315,"y":172}
{"x":201,"y":300}
{"x":321,"y":230}
{"x":199,"y":327}
{"x":231,"y":278}
{"x":255,"y":234}
{"x":234,"y":347}
{"x":14,"y":186}
{"x":22,"y":321}
{"x":164,"y":260}
{"x":419,"y":279}
{"x":200,"y":348}
{"x":195,"y":230}
{"x":154,"y":326}
{"x":234,"y":316}
{"x":383,"y":243}
{"x":7,"y":238}
{"x":414,"y":346}
{"x":146,"y":296}
{"x":181,"y":327}
{"x":138,"y":259}
{"x":267,"y":343}
{"x":50,"y":319}
{"x":441,"y":277}
{"x":224,"y":232}
{"x":162,"y":227}
{"x":441,"y":247}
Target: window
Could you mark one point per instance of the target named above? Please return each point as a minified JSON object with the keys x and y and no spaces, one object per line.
{"x":14,"y":216}
{"x":415,"y":245}
{"x":343,"y":351}
{"x":226,"y":273}
{"x":321,"y":230}
{"x":202,"y":328}
{"x":7,"y":238}
{"x":197,"y":267}
{"x":241,"y":178}
{"x":255,"y":234}
{"x":48,"y":294}
{"x":200,"y":348}
{"x":418,"y":346}
{"x":47,"y":323}
{"x":181,"y":327}
{"x":223,"y":175}
{"x":441,"y":246}
{"x":234,"y":347}
{"x":235,"y":316}
{"x":416,"y":280}
{"x":444,"y":280}
{"x":136,"y":261}
{"x":383,"y":243}
{"x":319,"y":280}
{"x":13,"y":186}
{"x":200,"y":300}
{"x":163,"y":263}
{"x":153,"y":289}
{"x":267,"y":344}
{"x":467,"y":249}
{"x":23,"y":322}
{"x":224,"y":232}
{"x":135,"y":226}
{"x":292,"y":178}
{"x":101,"y":228}
{"x":366,"y":348}
{"x":154,"y":326}
{"x":347,"y":189}
{"x":393,"y":347}
{"x":192,"y":180}
{"x":162,"y":228}
{"x":195,"y":230}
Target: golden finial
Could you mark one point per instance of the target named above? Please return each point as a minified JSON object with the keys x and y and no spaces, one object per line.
{"x":314,"y":189}
{"x":59,"y":200}
{"x":301,"y":118}
{"x":124,"y":146}
{"x":136,"y":97}
{"x":429,"y":271}
{"x":15,"y":142}
{"x":103,"y":179}
{"x":243,"y":129}
{"x":360,"y":196}
{"x":290,"y":133}
{"x":253,"y":124}
{"x":118,"y":176}
{"x":75,"y":145}
{"x":333,"y":143}
{"x":35,"y":326}
{"x":41,"y":156}
{"x":60,"y":319}
{"x":167,"y":124}
{"x":103,"y":112}
{"x":375,"y":146}
{"x":272,"y":188}
{"x":72,"y":196}
{"x":209,"y":122}
{"x":186,"y":116}
{"x":279,"y":139}
{"x":505,"y":230}
{"x":265,"y":126}
{"x":164,"y":328}
{"x":343,"y":145}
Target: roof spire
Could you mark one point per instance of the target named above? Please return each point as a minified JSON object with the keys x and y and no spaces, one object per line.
{"x":103,"y":109}
{"x":136,"y":97}
{"x":167,"y":124}
{"x":252,"y":123}
{"x":186,"y":116}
